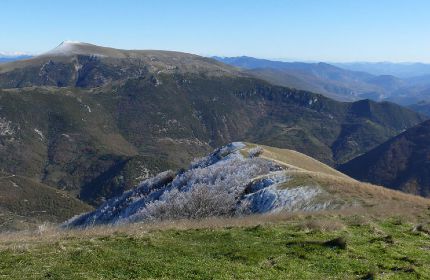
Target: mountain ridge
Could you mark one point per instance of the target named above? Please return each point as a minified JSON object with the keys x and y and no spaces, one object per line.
{"x":401,"y":69}
{"x":97,"y":129}
{"x":159,"y":60}
{"x":241,"y":179}
{"x":335,"y":81}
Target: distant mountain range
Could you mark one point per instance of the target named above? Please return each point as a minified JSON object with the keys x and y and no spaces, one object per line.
{"x":340,"y":83}
{"x":401,"y":70}
{"x":10,"y":58}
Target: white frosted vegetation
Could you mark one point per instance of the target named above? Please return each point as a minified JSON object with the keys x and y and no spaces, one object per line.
{"x":40,"y":133}
{"x":271,"y":199}
{"x":255,"y":152}
{"x":6,"y":127}
{"x":224,"y":183}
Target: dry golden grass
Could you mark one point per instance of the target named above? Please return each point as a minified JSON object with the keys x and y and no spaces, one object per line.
{"x":377,"y":200}
{"x":361,"y":201}
{"x":295,"y":160}
{"x":307,"y":169}
{"x":329,"y":220}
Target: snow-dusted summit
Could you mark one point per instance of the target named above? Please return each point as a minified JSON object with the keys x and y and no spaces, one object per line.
{"x":113,"y":63}
{"x":69,"y":48}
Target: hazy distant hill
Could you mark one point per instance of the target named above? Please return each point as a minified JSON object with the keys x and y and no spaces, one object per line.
{"x":339,"y":82}
{"x":4,"y":59}
{"x":422,"y":107}
{"x":401,"y":70}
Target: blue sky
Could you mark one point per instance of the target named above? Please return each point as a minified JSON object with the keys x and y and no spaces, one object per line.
{"x":308,"y":30}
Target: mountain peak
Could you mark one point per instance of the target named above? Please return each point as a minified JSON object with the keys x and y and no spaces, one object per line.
{"x":69,"y":43}
{"x":68,"y":48}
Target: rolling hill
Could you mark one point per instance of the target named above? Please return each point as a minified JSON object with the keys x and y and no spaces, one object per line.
{"x":242,"y":179}
{"x":95,"y":121}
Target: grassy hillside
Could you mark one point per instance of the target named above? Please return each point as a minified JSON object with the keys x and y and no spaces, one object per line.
{"x":381,"y":234}
{"x":308,"y":171}
{"x":295,"y":160}
{"x":329,"y":246}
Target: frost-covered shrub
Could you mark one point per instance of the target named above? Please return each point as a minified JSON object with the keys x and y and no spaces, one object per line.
{"x":217,"y":155}
{"x":205,"y":192}
{"x":215,"y":185}
{"x":233,"y":173}
{"x":118,"y":208}
{"x":6,"y":127}
{"x":255,"y":152}
{"x":160,"y":179}
{"x":200,"y":162}
{"x":200,"y":202}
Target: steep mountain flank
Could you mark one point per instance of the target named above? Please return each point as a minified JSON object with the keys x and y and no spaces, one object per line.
{"x":25,"y":204}
{"x":401,"y":163}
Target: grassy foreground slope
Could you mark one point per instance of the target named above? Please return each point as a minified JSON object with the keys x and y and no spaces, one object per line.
{"x":382,"y":234}
{"x":276,"y":247}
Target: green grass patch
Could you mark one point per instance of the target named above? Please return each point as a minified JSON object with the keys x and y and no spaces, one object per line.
{"x":388,"y":249}
{"x":299,"y":181}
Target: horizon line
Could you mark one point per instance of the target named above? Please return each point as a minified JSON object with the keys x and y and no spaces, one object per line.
{"x":11,"y":54}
